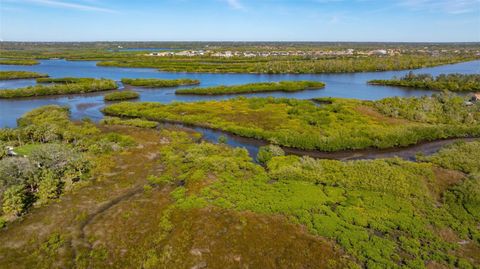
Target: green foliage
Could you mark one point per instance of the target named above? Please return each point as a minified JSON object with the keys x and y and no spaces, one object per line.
{"x":222,"y":139}
{"x":266,"y":153}
{"x":3,"y":222}
{"x":463,"y":201}
{"x":342,"y":124}
{"x":159,"y":83}
{"x":159,"y":180}
{"x":26,"y":149}
{"x":380,"y":212}
{"x":58,"y":152}
{"x":93,"y":85}
{"x":129,"y":122}
{"x":14,"y":200}
{"x":448,"y":82}
{"x":112,"y":142}
{"x":286,"y":65}
{"x":65,"y":80}
{"x":121,"y":95}
{"x":6,"y":75}
{"x":438,"y":109}
{"x":48,"y":188}
{"x":462,"y":156}
{"x":52,"y":244}
{"x":282,"y":86}
{"x":18,"y":62}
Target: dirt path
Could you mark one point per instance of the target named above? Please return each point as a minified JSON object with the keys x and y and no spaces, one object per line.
{"x":123,"y":177}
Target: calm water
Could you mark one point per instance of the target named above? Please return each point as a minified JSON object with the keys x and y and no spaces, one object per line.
{"x":350,"y":85}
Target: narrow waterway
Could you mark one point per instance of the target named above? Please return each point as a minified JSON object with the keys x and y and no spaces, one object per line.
{"x":348,"y":85}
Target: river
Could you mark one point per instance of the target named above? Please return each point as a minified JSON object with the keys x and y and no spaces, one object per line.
{"x":347,"y":85}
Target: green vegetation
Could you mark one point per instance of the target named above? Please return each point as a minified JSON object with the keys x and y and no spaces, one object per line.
{"x":159,"y":83}
{"x":7,"y":75}
{"x":172,"y":202}
{"x":282,"y":86}
{"x":384,"y":213}
{"x":58,"y":155}
{"x":286,"y":65}
{"x":343,"y":124}
{"x":18,"y":62}
{"x":121,"y":95}
{"x":129,"y":122}
{"x":437,"y":109}
{"x":61,"y":88}
{"x":66,"y":80}
{"x":266,"y":153}
{"x":449,"y":82}
{"x":462,"y":156}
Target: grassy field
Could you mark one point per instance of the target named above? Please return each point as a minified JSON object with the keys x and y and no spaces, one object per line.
{"x":342,"y":124}
{"x":7,"y":75}
{"x":159,"y":83}
{"x":60,"y":88}
{"x":282,"y":86}
{"x":449,"y":82}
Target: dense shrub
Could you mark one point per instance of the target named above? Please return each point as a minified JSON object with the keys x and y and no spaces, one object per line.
{"x":58,"y":152}
{"x":381,"y":212}
{"x":266,"y":153}
{"x":282,"y":86}
{"x":159,"y":83}
{"x":438,"y":109}
{"x":342,"y":124}
{"x":6,"y":75}
{"x":462,"y":156}
{"x":129,"y":122}
{"x":19,"y":62}
{"x":283,"y":65}
{"x":60,"y":88}
{"x":448,"y":82}
{"x":121,"y":95}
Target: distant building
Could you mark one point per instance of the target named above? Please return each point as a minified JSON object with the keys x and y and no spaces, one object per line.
{"x":379,"y":52}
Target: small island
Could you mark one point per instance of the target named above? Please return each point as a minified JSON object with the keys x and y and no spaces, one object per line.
{"x":65,"y":80}
{"x":10,"y":75}
{"x":121,"y":95}
{"x":282,"y":86}
{"x":344,"y":124}
{"x":443,"y":82}
{"x":86,"y":86}
{"x":159,"y":83}
{"x":18,"y":62}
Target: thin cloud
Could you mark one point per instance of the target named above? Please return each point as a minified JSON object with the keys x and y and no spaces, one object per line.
{"x":235,"y":4}
{"x":448,"y":6}
{"x":70,"y":5}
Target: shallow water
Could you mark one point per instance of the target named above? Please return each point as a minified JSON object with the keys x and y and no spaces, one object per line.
{"x":253,"y":145}
{"x":349,"y":85}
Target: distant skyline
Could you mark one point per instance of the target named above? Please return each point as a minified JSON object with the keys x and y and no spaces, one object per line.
{"x":241,"y":20}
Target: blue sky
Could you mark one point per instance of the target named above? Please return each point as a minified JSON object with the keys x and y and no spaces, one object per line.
{"x":240,"y":20}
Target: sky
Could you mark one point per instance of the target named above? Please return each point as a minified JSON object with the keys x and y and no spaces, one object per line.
{"x":241,"y":20}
